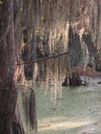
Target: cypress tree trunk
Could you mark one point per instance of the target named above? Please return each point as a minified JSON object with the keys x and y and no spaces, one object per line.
{"x":10,"y":121}
{"x":99,"y":24}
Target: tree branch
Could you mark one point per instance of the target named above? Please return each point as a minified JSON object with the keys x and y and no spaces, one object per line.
{"x":47,"y":58}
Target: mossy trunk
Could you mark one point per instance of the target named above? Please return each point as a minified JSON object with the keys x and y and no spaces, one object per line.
{"x":10,"y":121}
{"x":73,"y":80}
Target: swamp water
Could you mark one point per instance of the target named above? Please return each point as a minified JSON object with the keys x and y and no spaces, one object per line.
{"x":78,"y":111}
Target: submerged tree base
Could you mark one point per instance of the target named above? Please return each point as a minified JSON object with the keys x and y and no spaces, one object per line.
{"x":73,"y":79}
{"x":10,"y":121}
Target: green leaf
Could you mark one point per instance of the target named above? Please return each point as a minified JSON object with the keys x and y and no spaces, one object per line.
{"x":21,"y":9}
{"x":1,"y":2}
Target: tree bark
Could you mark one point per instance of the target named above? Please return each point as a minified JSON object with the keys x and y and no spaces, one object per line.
{"x":10,"y":121}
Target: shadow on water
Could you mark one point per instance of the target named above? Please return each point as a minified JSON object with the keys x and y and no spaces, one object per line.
{"x":77,"y":112}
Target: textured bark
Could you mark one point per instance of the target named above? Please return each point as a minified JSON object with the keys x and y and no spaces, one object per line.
{"x":29,"y":54}
{"x":99,"y":24}
{"x":74,"y":58}
{"x":10,"y":122}
{"x":75,"y":46}
{"x":73,"y":81}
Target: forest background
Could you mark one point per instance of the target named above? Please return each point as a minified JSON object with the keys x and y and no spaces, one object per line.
{"x":51,"y":41}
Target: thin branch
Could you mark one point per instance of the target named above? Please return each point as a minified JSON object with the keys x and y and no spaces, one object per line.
{"x":47,"y":58}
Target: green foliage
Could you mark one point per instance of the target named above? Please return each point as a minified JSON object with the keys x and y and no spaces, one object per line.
{"x":61,"y":36}
{"x":21,"y":9}
{"x":60,"y":1}
{"x":1,"y":2}
{"x":38,"y":36}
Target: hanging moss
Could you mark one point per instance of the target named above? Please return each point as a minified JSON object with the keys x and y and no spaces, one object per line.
{"x":25,"y":101}
{"x":32,"y":111}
